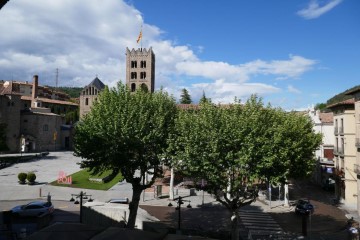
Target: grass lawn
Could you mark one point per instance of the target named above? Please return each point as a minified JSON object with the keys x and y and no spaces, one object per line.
{"x":81,"y":180}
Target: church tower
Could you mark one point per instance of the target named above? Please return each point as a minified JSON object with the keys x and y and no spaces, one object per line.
{"x":140,"y":69}
{"x":89,"y":95}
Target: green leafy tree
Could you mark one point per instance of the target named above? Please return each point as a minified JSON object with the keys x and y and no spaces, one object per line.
{"x":320,"y":106}
{"x":127,"y":132}
{"x":3,"y":146}
{"x":237,"y":147}
{"x":203,"y":99}
{"x":185,"y":97}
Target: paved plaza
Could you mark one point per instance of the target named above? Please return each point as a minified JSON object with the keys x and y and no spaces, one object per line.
{"x":48,"y":167}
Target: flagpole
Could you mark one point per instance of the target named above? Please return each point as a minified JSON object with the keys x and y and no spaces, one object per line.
{"x":141,"y":38}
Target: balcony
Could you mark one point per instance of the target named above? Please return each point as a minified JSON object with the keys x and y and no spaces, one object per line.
{"x":340,"y":151}
{"x":357,"y":169}
{"x":357,"y":142}
{"x":341,"y":130}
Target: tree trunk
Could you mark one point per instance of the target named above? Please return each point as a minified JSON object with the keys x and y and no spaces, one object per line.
{"x":286,"y":194}
{"x":171,"y":193}
{"x":133,"y":206}
{"x":235,"y":225}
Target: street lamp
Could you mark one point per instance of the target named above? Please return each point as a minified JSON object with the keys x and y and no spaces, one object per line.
{"x":82,"y":195}
{"x":180,"y":200}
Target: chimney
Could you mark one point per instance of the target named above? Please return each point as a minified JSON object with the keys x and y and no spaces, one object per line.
{"x":34,"y":90}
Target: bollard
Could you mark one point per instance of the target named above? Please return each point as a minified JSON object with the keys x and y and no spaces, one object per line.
{"x":39,"y":192}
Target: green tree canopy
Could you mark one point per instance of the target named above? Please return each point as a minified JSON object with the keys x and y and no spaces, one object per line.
{"x":239,"y":146}
{"x":185,"y":97}
{"x":127,"y":132}
{"x":204,"y":99}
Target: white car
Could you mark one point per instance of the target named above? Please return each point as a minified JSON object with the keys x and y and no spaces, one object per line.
{"x":33,"y":209}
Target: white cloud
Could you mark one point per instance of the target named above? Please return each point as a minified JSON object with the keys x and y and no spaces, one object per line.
{"x":292,"y":89}
{"x":221,"y":91}
{"x":87,"y":38}
{"x":314,"y":10}
{"x":292,"y":68}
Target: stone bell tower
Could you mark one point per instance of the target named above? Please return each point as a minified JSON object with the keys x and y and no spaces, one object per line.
{"x":140,"y":69}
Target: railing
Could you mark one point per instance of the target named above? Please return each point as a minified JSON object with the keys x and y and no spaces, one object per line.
{"x":341,"y":151}
{"x":356,"y":169}
{"x":357,"y":142}
{"x":341,"y":130}
{"x":335,"y":151}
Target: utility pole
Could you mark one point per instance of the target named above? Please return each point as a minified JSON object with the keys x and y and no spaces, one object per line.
{"x":56,"y":78}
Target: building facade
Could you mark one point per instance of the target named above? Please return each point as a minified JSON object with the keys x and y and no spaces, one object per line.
{"x":323,"y":124}
{"x":89,"y":95}
{"x":356,"y":95}
{"x":140,"y":74}
{"x":345,"y":153}
{"x":140,"y":69}
{"x":32,"y":122}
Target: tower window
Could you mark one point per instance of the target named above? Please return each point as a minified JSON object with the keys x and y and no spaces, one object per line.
{"x":45,"y":128}
{"x":133,"y":64}
{"x":86,"y":101}
{"x":133,"y":75}
{"x":143,"y":64}
{"x":133,"y":87}
{"x":143,"y":75}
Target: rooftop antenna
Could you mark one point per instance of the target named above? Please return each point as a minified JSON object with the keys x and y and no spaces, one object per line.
{"x":56,"y":78}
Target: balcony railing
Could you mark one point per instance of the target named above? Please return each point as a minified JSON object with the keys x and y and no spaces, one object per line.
{"x":357,"y":142}
{"x":340,"y":151}
{"x":341,"y":130}
{"x":356,"y":169}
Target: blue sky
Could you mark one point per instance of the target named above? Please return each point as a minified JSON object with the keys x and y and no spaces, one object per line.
{"x":292,"y":53}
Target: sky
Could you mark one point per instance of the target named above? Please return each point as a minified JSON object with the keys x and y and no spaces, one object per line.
{"x":293,"y":54}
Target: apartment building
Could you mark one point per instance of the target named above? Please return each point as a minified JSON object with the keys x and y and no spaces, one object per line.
{"x":356,"y":95}
{"x":346,"y":188}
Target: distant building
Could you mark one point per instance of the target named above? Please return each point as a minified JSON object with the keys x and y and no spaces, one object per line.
{"x":35,"y":117}
{"x":140,"y":69}
{"x":140,"y":74}
{"x":89,"y":95}
{"x":323,"y":124}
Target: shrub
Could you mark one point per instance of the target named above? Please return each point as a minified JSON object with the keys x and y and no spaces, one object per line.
{"x":22,"y":177}
{"x":31,"y":177}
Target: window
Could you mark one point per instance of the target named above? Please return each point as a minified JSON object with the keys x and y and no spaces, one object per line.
{"x":133,"y":87}
{"x":86,"y":101}
{"x":143,"y":64}
{"x":45,"y":128}
{"x":9,"y":104}
{"x":25,"y":120}
{"x":133,"y":64}
{"x":341,"y":126}
{"x":133,"y":75}
{"x":143,"y":75}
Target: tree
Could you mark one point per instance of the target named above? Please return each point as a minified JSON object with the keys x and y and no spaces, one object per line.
{"x":237,"y":147}
{"x":127,"y":132}
{"x":185,"y":97}
{"x":322,"y":107}
{"x":203,"y":99}
{"x":3,"y":146}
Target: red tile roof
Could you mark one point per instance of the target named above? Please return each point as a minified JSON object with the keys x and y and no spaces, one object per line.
{"x":326,"y":117}
{"x":350,"y":101}
{"x":47,"y":100}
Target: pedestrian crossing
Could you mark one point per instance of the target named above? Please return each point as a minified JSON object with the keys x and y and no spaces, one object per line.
{"x":259,"y":224}
{"x":259,"y":221}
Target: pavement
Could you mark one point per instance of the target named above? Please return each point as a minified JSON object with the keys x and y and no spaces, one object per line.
{"x":48,"y":167}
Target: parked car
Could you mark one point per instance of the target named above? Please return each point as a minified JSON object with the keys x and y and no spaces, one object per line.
{"x":303,"y":206}
{"x":33,"y":209}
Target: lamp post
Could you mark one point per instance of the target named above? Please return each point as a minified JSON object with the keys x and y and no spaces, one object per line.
{"x":82,"y":195}
{"x":180,"y":200}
